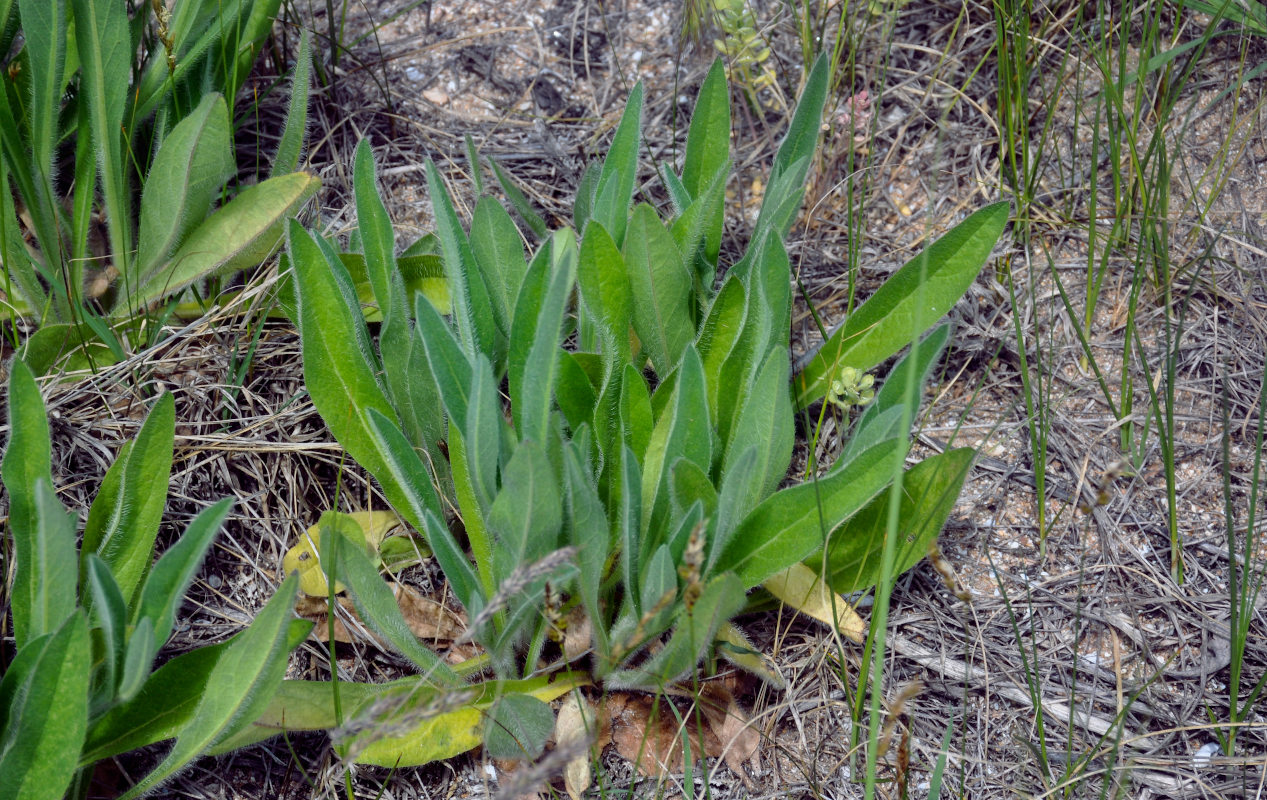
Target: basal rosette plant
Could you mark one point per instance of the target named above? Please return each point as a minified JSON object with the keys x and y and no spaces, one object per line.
{"x":88,"y":622}
{"x":118,"y":112}
{"x":591,"y":438}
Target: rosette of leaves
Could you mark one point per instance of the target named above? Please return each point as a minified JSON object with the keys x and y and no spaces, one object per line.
{"x":117,"y":141}
{"x":614,"y":424}
{"x":88,"y":625}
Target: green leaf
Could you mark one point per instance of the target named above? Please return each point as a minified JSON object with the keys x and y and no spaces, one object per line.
{"x":482,"y":433}
{"x":239,"y":235}
{"x":106,"y":51}
{"x":44,"y":28}
{"x":342,"y":546}
{"x":586,"y":195}
{"x":660,"y":288}
{"x":720,"y":600}
{"x":470,"y":512}
{"x":517,"y":199}
{"x":299,"y":706}
{"x":289,"y":148}
{"x":876,"y":423}
{"x":708,"y":139}
{"x":615,"y":189}
{"x":659,"y":581}
{"x":52,"y":568}
{"x":929,"y":492}
{"x":636,"y":419}
{"x":238,"y":689}
{"x":765,"y":423}
{"x":575,"y":392}
{"x":589,"y":533}
{"x":165,"y":588}
{"x":719,"y":336}
{"x":605,"y":290}
{"x":499,"y":252}
{"x":685,"y":432}
{"x":195,"y":160}
{"x":377,"y":237}
{"x":125,"y":515}
{"x":535,"y":336}
{"x":454,"y":564}
{"x":473,"y":162}
{"x":691,"y":484}
{"x":518,"y":726}
{"x":44,"y":712}
{"x":339,"y":366}
{"x":110,"y":615}
{"x":910,"y":301}
{"x":450,"y":366}
{"x":158,"y":711}
{"x":794,"y":522}
{"x":405,"y":467}
{"x":167,"y":701}
{"x":796,"y":153}
{"x":741,"y":489}
{"x":27,"y":463}
{"x":472,"y":304}
{"x":527,"y":514}
{"x":629,"y":522}
{"x":697,"y":232}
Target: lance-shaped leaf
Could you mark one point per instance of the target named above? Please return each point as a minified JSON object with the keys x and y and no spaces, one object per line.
{"x":50,"y":570}
{"x":44,"y":712}
{"x":373,"y":598}
{"x":796,"y":153}
{"x":708,"y":139}
{"x":238,"y":689}
{"x":534,"y":361}
{"x":589,"y":532}
{"x":765,"y":423}
{"x":616,"y":182}
{"x":791,"y":524}
{"x":660,"y":287}
{"x":929,"y":491}
{"x":434,"y":735}
{"x":291,"y":145}
{"x":499,"y":251}
{"x":604,"y":285}
{"x":905,"y":379}
{"x":241,"y":234}
{"x":27,"y":462}
{"x":194,"y":161}
{"x":719,"y":600}
{"x":910,"y":301}
{"x":527,"y":515}
{"x":164,"y":589}
{"x":125,"y":515}
{"x":683,"y":432}
{"x":339,"y":365}
{"x":167,"y":701}
{"x":472,"y":305}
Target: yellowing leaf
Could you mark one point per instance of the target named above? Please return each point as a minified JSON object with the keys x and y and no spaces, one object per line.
{"x":438,"y":730}
{"x":305,"y":557}
{"x":802,"y":589}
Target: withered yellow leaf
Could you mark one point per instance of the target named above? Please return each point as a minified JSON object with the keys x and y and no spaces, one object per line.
{"x":802,"y":589}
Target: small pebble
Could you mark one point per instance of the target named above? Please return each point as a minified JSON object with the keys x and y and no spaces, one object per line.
{"x":1202,"y":757}
{"x":414,"y":74}
{"x":215,"y":582}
